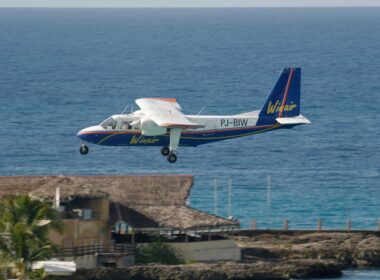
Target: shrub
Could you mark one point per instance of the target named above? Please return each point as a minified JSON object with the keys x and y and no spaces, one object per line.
{"x":157,"y":252}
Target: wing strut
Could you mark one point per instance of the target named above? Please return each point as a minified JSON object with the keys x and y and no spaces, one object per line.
{"x":175,"y":135}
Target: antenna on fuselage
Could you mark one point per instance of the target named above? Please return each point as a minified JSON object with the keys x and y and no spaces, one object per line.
{"x":125,"y":109}
{"x":201,"y":110}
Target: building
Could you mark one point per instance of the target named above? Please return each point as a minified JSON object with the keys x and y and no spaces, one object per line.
{"x":103,"y":212}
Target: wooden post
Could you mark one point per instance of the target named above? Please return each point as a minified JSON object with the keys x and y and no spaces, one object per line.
{"x":229,"y":208}
{"x":186,"y":237}
{"x":378,"y":225}
{"x":215,"y":197}
{"x":253,"y":223}
{"x":286,"y":224}
{"x":319,"y":224}
{"x":349,"y":225}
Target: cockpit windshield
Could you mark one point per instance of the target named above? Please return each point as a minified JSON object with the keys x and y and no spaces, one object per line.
{"x":109,"y":123}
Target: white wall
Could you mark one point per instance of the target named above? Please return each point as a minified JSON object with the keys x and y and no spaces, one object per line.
{"x":85,"y":262}
{"x":215,"y":250}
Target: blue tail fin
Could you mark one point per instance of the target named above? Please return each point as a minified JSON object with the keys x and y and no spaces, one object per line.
{"x":284,"y":100}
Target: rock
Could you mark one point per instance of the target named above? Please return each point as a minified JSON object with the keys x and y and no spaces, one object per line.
{"x":356,"y":249}
{"x":315,"y":269}
{"x":261,"y":270}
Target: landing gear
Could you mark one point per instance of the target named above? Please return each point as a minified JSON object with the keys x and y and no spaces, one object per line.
{"x":170,"y":155}
{"x":165,"y":151}
{"x":83,"y":149}
{"x":175,"y":135}
{"x":172,"y":158}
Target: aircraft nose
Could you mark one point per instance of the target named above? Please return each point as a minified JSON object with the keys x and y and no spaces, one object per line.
{"x":81,"y":134}
{"x":89,"y":133}
{"x":85,"y":131}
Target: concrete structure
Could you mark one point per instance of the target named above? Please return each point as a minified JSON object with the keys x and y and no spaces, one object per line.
{"x":205,"y":251}
{"x":82,"y":230}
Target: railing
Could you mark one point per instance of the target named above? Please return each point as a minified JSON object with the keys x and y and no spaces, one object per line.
{"x":117,"y":249}
{"x":319,"y":226}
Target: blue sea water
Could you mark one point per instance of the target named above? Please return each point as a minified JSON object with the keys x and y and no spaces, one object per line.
{"x":65,"y":69}
{"x":359,"y":274}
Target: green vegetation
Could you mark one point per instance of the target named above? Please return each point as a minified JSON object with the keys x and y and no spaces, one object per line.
{"x":24,"y":227}
{"x":157,"y":252}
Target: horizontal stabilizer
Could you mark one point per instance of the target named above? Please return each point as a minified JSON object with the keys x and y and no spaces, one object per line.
{"x":293,"y":120}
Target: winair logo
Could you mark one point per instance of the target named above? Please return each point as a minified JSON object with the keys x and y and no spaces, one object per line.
{"x":275,"y":108}
{"x":136,"y":140}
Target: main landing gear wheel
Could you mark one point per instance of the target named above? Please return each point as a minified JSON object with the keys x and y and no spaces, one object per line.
{"x":172,"y":158}
{"x":83,"y":150}
{"x":165,"y":151}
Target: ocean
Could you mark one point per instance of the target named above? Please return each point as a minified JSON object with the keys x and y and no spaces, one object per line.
{"x":359,"y":274}
{"x":66,"y":69}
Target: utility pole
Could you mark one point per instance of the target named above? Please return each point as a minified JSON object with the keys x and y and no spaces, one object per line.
{"x":268,"y":191}
{"x":229,"y":210}
{"x":215,"y":196}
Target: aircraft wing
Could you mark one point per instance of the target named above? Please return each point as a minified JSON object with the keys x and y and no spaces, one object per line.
{"x":165,"y":112}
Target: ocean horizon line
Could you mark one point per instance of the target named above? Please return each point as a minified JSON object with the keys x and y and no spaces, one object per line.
{"x":188,"y":7}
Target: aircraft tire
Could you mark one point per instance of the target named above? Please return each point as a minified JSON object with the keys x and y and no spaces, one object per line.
{"x":83,"y":150}
{"x":172,"y":158}
{"x":165,"y":151}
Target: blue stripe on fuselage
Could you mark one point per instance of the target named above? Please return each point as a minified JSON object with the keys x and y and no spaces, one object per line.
{"x":188,"y":138}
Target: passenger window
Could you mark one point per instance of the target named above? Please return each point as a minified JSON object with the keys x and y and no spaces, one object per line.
{"x":126,"y":125}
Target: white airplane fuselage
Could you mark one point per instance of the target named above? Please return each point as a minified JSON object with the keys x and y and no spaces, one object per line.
{"x":216,"y":128}
{"x":160,"y":122}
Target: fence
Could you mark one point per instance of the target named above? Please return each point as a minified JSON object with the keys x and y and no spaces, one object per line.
{"x":117,"y":249}
{"x":318,"y":225}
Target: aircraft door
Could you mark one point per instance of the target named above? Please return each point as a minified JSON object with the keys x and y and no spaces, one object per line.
{"x":209,"y":130}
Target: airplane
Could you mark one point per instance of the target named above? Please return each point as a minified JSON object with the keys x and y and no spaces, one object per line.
{"x":160,"y":121}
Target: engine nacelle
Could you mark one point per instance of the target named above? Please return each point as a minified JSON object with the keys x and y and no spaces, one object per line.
{"x":150,"y":128}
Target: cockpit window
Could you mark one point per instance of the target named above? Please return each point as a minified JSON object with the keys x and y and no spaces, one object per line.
{"x":109,"y":123}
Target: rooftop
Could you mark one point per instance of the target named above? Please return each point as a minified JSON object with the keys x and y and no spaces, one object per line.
{"x":143,"y":201}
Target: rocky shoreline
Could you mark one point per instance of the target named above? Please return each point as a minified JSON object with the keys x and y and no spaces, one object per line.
{"x":229,"y":270}
{"x":345,"y":249}
{"x":267,"y":256}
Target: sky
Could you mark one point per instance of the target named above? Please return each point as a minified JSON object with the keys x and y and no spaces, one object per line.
{"x":187,"y":3}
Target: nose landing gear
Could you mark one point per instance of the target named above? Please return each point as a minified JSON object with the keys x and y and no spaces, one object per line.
{"x":83,"y":149}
